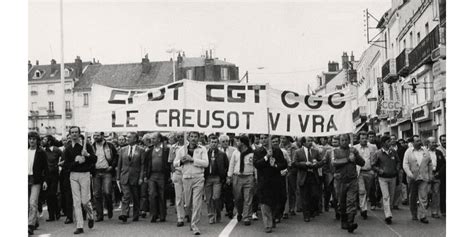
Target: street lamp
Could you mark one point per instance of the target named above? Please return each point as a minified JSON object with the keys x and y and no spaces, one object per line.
{"x":173,"y":51}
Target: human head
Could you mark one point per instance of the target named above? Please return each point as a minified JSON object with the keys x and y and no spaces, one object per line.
{"x":213,"y":142}
{"x":75,"y":133}
{"x":323,"y":140}
{"x":286,"y":140}
{"x":243,"y":142}
{"x":172,"y":138}
{"x":432,"y":144}
{"x":275,"y":141}
{"x":344,"y":141}
{"x":402,"y":142}
{"x":363,"y":138}
{"x":263,"y":139}
{"x":335,"y":141}
{"x":156,"y":138}
{"x":442,"y":140}
{"x":224,"y":140}
{"x":193,"y":138}
{"x":49,"y":140}
{"x":417,"y":142}
{"x":371,"y":136}
{"x":385,"y":141}
{"x":132,"y":138}
{"x":180,"y":137}
{"x":98,"y":137}
{"x":393,"y":138}
{"x":122,"y":140}
{"x":33,"y":139}
{"x":309,"y":142}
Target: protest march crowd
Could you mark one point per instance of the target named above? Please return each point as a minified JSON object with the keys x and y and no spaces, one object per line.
{"x":251,"y":176}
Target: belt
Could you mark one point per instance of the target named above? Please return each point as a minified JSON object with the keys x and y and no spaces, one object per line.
{"x":243,"y":175}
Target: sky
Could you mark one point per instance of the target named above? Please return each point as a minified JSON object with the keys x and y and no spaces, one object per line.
{"x":285,"y":44}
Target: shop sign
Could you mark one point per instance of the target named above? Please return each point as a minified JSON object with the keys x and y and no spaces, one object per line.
{"x":421,"y":113}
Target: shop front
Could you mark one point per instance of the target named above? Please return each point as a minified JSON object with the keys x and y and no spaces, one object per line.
{"x":423,"y":121}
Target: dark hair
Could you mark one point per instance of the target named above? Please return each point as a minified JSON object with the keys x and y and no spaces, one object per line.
{"x":213,"y":137}
{"x":302,"y":140}
{"x":401,"y":140}
{"x":384,"y":139}
{"x":443,"y":135}
{"x":34,"y":135}
{"x":362,"y":133}
{"x":410,"y":139}
{"x":51,"y":140}
{"x":78,"y":128}
{"x":195,"y":132}
{"x":275,"y":136}
{"x":344,"y":135}
{"x":244,"y":140}
{"x":418,"y":136}
{"x":371,"y":133}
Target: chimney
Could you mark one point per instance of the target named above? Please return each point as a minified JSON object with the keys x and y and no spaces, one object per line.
{"x":352,"y":56}
{"x":345,"y":60}
{"x":54,"y":66}
{"x":93,"y":60}
{"x":53,"y":62}
{"x":207,"y":55}
{"x":180,"y":58}
{"x":210,"y":54}
{"x":37,"y":62}
{"x":29,"y":65}
{"x":333,"y":66}
{"x":78,"y":66}
{"x":146,"y":66}
{"x":184,"y":55}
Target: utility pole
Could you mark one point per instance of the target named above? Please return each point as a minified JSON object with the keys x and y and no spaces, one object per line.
{"x":62,"y":93}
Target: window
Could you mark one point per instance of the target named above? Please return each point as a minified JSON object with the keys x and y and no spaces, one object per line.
{"x":189,"y":74}
{"x":67,"y":72}
{"x":50,"y":106}
{"x":86,"y":99}
{"x":33,"y":106}
{"x":50,"y":89}
{"x":224,"y":73}
{"x":404,"y":44}
{"x":38,"y":74}
{"x":68,"y":105}
{"x":411,"y":40}
{"x":34,"y":90}
{"x":418,"y":37}
{"x":67,"y":88}
{"x":427,"y":29}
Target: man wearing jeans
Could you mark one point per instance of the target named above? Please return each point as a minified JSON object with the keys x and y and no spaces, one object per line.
{"x":37,"y":171}
{"x":419,"y":169}
{"x":104,"y":170}
{"x":386,"y":164}
{"x":241,"y":173}
{"x":80,"y":162}
{"x":366,"y":175}
{"x":193,"y":160}
{"x":439,"y":164}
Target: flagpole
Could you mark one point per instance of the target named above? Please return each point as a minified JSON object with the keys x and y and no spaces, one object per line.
{"x":63,"y":97}
{"x":268,"y":120}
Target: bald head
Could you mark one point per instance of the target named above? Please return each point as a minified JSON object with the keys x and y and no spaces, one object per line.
{"x":432,"y":143}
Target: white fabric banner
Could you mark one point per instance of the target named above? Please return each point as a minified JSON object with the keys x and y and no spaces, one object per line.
{"x":218,"y":107}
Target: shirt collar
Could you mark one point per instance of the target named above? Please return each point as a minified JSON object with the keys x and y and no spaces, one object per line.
{"x":385,"y":151}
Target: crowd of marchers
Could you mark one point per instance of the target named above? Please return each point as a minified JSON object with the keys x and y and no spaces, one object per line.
{"x":248,"y":176}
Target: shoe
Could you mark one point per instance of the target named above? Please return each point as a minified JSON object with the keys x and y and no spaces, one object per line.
{"x":180,"y":224}
{"x":405,"y":202}
{"x":135,"y":219}
{"x":364,"y":215}
{"x":110,"y":214}
{"x":212,"y":221}
{"x":326,"y":209}
{"x":285,"y":216}
{"x":293,"y":213}
{"x":153,"y":219}
{"x":123,"y":218}
{"x":187,"y":218}
{"x":58,"y":216}
{"x":396,"y":208}
{"x":268,"y":230}
{"x":31,"y":230}
{"x":306,"y":219}
{"x":247,"y":222}
{"x":218,"y":218}
{"x":372,"y":208}
{"x":388,"y":220}
{"x":79,"y":231}
{"x":37,"y":225}
{"x":196,"y":232}
{"x":352,"y":227}
{"x":436,"y":216}
{"x":254,"y":216}
{"x":99,"y":219}
{"x":338,"y":216}
{"x":90,"y":223}
{"x":274,"y":225}
{"x":239,"y":217}
{"x":424,"y":220}
{"x":143,"y":215}
{"x":50,"y":219}
{"x":230,"y":215}
{"x":68,"y":221}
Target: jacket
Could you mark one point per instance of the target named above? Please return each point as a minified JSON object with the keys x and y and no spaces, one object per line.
{"x":165,"y":151}
{"x":300,"y":163}
{"x":222,"y":164}
{"x":424,"y":171}
{"x":111,"y":154}
{"x":130,"y":169}
{"x":386,"y":165}
{"x":345,"y":170}
{"x":196,"y":168}
{"x":268,"y":177}
{"x":440,"y":170}
{"x":70,"y":154}
{"x":40,"y":166}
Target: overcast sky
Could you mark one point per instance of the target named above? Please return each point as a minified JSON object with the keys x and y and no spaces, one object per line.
{"x":292,"y":41}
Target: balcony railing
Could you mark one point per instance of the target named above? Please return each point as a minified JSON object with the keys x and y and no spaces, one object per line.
{"x":68,"y":113}
{"x":34,"y":113}
{"x":389,"y":71}
{"x":50,"y":92}
{"x":403,"y":63}
{"x":50,"y":112}
{"x":421,"y":54}
{"x":34,"y":93}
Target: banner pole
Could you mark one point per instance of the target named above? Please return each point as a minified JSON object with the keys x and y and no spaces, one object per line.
{"x":268,"y":120}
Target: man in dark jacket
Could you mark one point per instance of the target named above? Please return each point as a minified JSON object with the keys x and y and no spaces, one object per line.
{"x":439,"y":169}
{"x":269,"y":163}
{"x":37,"y":172}
{"x":80,"y":161}
{"x":156,"y":173}
{"x":53,"y":155}
{"x":215,"y":175}
{"x":107,"y":158}
{"x":345,"y":159}
{"x":386,"y":164}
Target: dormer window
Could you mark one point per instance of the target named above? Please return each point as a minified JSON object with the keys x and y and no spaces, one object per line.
{"x":67,"y":72}
{"x":38,"y":74}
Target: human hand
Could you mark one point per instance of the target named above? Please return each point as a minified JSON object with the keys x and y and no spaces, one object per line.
{"x":272,"y":161}
{"x":140,"y":181}
{"x":45,"y":186}
{"x":284,"y":172}
{"x":227,"y":181}
{"x":85,"y":153}
{"x":351,"y":156}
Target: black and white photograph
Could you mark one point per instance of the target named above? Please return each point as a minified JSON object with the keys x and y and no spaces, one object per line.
{"x":235,"y":118}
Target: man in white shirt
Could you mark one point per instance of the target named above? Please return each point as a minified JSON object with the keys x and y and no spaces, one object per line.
{"x":227,"y":195}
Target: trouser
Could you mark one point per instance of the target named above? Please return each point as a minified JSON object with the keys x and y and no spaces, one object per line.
{"x":291,"y":190}
{"x":329,"y":190}
{"x":131,"y":193}
{"x":347,"y":192}
{"x":280,"y":203}
{"x":179,"y":195}
{"x":375,"y":194}
{"x":308,"y":195}
{"x":228,"y":198}
{"x":156,"y":191}
{"x":51,"y":194}
{"x":418,"y":193}
{"x":66,"y":194}
{"x":194,"y":190}
{"x":143,"y":195}
{"x":435,"y":196}
{"x":397,"y":197}
{"x":243,"y":186}
{"x":212,"y":190}
{"x":255,"y":200}
{"x":387,"y":186}
{"x":442,"y":194}
{"x":319,"y":194}
{"x":81,"y":187}
{"x":33,"y":196}
{"x":267,"y":215}
{"x":365,"y":186}
{"x":116,"y":194}
{"x":102,"y":187}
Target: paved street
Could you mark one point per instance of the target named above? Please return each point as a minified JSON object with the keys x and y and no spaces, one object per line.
{"x":324,"y":225}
